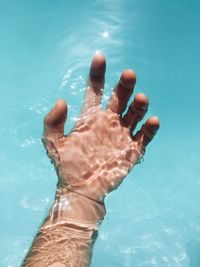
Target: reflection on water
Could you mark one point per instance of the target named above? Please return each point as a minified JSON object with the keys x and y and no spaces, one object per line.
{"x":46,"y":48}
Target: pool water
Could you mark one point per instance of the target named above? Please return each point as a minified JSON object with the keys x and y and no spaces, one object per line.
{"x":153,"y":219}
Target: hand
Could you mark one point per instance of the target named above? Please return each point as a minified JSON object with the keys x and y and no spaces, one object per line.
{"x":101,"y":149}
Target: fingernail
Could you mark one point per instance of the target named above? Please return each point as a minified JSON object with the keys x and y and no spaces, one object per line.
{"x":98,"y":66}
{"x":128,"y":79}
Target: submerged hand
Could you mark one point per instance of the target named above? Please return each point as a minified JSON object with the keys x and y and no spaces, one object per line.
{"x":97,"y":154}
{"x":90,"y":161}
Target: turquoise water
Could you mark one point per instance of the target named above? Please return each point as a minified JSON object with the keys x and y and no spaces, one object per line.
{"x":153,"y":219}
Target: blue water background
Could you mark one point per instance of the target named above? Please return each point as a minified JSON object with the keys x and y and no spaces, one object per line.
{"x":46,"y":47}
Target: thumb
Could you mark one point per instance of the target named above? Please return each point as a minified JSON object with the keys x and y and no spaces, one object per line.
{"x":54,"y":121}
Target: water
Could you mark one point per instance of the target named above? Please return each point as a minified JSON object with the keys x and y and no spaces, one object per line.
{"x":46,"y":48}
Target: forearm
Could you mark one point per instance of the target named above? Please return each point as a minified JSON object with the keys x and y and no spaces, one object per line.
{"x":67,"y":235}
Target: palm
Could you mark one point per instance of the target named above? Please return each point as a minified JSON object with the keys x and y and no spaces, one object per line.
{"x":99,"y":144}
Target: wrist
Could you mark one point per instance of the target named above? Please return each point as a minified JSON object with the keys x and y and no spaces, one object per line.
{"x":75,"y":211}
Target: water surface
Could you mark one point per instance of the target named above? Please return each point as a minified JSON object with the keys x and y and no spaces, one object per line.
{"x":45,"y":51}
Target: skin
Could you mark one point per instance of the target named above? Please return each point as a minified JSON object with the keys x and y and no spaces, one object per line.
{"x":91,"y":161}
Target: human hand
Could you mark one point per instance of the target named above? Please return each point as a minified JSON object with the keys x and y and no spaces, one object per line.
{"x":101,"y":149}
{"x":90,"y":161}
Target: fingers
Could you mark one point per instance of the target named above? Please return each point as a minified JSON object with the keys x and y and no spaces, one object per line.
{"x":95,"y":85}
{"x":122,"y":92}
{"x":54,"y":121}
{"x":147,"y":132}
{"x":136,"y":111}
